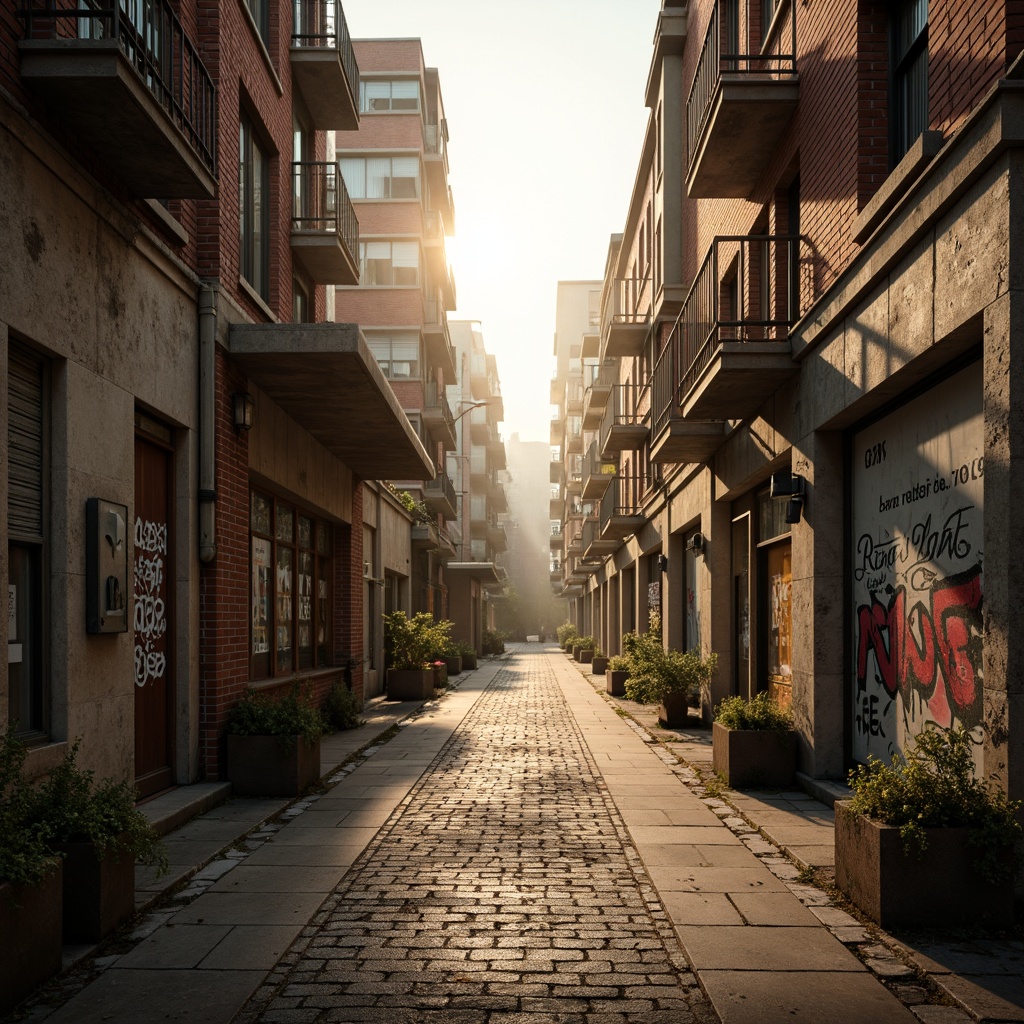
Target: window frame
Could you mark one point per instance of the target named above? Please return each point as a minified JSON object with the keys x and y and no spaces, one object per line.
{"x":365,"y":83}
{"x":380,"y":262}
{"x":253,"y":208}
{"x":904,"y":58}
{"x":375,"y":341}
{"x":357,"y":192}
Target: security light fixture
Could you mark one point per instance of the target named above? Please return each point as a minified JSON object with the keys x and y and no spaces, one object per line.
{"x":791,"y":486}
{"x":242,"y":407}
{"x":696,"y":544}
{"x":663,"y":563}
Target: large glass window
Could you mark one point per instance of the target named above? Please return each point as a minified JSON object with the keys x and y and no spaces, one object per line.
{"x":27,"y":448}
{"x":389,"y":263}
{"x":909,"y":100}
{"x":381,"y":177}
{"x":253,"y":209}
{"x":291,"y":571}
{"x":376,"y":96}
{"x":398,"y":354}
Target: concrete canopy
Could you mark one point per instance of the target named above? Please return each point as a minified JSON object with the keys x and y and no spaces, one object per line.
{"x":325,"y":378}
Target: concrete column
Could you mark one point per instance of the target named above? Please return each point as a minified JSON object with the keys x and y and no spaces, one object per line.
{"x":819,"y":694}
{"x":674,"y":593}
{"x":715,"y":581}
{"x":1004,"y":564}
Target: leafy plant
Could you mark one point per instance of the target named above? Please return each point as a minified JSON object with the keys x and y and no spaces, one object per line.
{"x":409,"y":643}
{"x":341,"y":709}
{"x":655,"y":673}
{"x":71,"y":807}
{"x":441,"y":636}
{"x":760,"y":712}
{"x":935,"y":787}
{"x":566,"y":633}
{"x":618,"y":663}
{"x":260,"y":714}
{"x":24,"y":857}
{"x":586,"y":643}
{"x":464,"y":650}
{"x":494,"y":641}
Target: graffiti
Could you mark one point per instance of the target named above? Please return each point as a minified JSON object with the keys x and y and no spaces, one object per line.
{"x":150,"y":619}
{"x":929,"y":651}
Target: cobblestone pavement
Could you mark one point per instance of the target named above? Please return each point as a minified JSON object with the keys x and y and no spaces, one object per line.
{"x":502,"y":890}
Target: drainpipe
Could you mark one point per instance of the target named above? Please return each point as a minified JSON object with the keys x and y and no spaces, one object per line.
{"x":207,"y":407}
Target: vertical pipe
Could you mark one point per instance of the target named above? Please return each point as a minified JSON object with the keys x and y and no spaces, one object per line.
{"x":207,"y":414}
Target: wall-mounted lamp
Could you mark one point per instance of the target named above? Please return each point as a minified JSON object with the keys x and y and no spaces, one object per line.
{"x":242,"y":408}
{"x":696,"y":544}
{"x":663,"y":563}
{"x":791,"y":486}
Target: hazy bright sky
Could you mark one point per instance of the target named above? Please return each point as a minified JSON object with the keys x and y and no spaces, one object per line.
{"x":545,"y":108}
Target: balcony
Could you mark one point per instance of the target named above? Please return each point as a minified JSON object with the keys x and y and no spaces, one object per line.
{"x":557,"y":434}
{"x":437,"y":416}
{"x":425,"y":537}
{"x":626,"y":420}
{"x":626,"y":318}
{"x":498,"y":498}
{"x":595,"y":397}
{"x":435,"y":161}
{"x":440,"y":351}
{"x":557,"y":539}
{"x":557,"y":507}
{"x":440,"y":497}
{"x":325,"y":379}
{"x":325,"y":232}
{"x":574,"y":476}
{"x":556,"y":471}
{"x":324,"y":67}
{"x":590,"y":346}
{"x":574,"y":398}
{"x":132,"y":86}
{"x":741,"y":101}
{"x":496,"y":537}
{"x":496,"y":447}
{"x":593,"y":543}
{"x":621,"y":514}
{"x":596,"y":473}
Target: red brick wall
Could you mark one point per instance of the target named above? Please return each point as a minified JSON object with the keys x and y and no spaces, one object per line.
{"x":380,"y":307}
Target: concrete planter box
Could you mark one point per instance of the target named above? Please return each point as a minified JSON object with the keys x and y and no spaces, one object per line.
{"x":440,"y":677}
{"x":410,"y":683}
{"x":674,"y":711}
{"x":940,"y":889}
{"x":576,"y":652}
{"x":469,"y":662}
{"x":454,"y":665}
{"x":586,"y":655}
{"x":30,"y":922}
{"x":98,"y":891}
{"x":599,"y":666}
{"x":615,"y":682}
{"x":272,"y":765}
{"x":754,"y":758}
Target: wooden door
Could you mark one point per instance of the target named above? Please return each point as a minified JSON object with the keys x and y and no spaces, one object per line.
{"x":153,"y":623}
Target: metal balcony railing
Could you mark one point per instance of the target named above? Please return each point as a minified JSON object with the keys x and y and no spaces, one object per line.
{"x":739,"y":44}
{"x":434,"y":397}
{"x":747,"y":289}
{"x":321,"y":24}
{"x":442,"y":486}
{"x":622,"y":499}
{"x":320,"y":202}
{"x":152,"y":39}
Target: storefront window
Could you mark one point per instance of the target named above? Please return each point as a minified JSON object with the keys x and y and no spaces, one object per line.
{"x":291,"y":589}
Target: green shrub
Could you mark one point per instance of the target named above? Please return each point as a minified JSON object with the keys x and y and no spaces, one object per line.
{"x":24,"y":856}
{"x":494,"y":641}
{"x":410,"y":643}
{"x":655,"y":673}
{"x":565,"y":633}
{"x":260,"y":714}
{"x":341,"y":709}
{"x":585,"y":643}
{"x":935,"y":787}
{"x":761,"y":712}
{"x":618,"y":663}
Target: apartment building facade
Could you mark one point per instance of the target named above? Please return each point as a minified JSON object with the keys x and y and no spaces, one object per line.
{"x":812,"y":329}
{"x":187,"y":435}
{"x":395,"y":165}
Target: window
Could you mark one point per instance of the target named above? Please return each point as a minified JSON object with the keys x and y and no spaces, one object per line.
{"x":27,"y":448}
{"x":908,"y":31}
{"x":375,"y":96}
{"x":253,"y":209}
{"x":398,"y":354}
{"x":260,"y":11}
{"x":291,"y":572}
{"x":389,"y":263}
{"x":381,"y":177}
{"x":301,"y":308}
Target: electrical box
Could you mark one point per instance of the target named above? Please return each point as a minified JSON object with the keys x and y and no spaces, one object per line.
{"x":106,"y":567}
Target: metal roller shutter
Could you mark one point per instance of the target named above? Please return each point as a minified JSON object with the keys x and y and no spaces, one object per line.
{"x":25,"y":445}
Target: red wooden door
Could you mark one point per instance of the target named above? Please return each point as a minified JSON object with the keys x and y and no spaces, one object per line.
{"x":153,"y":591}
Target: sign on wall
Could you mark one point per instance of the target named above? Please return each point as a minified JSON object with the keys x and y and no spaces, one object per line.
{"x":917,"y":568}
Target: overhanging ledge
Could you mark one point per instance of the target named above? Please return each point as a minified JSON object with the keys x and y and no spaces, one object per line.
{"x":324,"y":377}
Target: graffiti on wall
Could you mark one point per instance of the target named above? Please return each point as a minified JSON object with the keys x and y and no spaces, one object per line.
{"x":150,"y":612}
{"x":918,"y":569}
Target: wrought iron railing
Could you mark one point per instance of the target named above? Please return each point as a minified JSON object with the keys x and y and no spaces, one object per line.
{"x":628,"y":406}
{"x":442,"y":486}
{"x":434,"y":397}
{"x":747,"y":289}
{"x":153,"y":41}
{"x":321,"y":24}
{"x":320,"y":203}
{"x":621,"y":499}
{"x":738,"y":45}
{"x":627,"y":300}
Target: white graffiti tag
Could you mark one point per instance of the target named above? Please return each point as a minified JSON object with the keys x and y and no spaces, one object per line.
{"x":150,"y":613}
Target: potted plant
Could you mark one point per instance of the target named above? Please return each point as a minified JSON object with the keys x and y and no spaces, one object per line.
{"x":584,"y":649}
{"x":468,"y":654}
{"x":673,"y":679}
{"x":616,"y":675}
{"x":439,"y":674}
{"x":100,"y":834}
{"x":341,"y":709}
{"x":274,"y":744}
{"x":446,"y":649}
{"x":753,"y":743}
{"x":566,"y":634}
{"x":409,"y":648}
{"x":30,"y":884}
{"x":599,"y":663}
{"x":924,"y":842}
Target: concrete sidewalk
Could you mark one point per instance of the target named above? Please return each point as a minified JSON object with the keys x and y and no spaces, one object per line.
{"x":729,"y":915}
{"x":765,"y":945}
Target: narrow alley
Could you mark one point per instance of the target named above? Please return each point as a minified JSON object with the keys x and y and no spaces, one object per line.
{"x":514,"y":852}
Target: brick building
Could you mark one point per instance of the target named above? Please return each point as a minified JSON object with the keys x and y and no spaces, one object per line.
{"x":187,"y":433}
{"x":806,"y":371}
